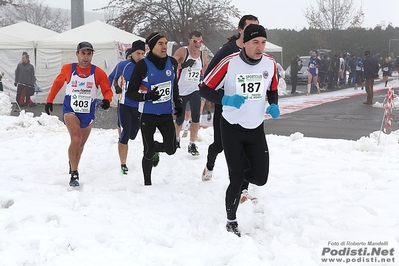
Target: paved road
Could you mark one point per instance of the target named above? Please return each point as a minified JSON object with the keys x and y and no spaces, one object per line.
{"x":343,"y":119}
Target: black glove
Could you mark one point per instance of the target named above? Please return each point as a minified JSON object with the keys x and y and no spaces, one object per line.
{"x":153,"y":95}
{"x":178,"y":107}
{"x":15,"y":84}
{"x":188,"y":63}
{"x":105,"y":104}
{"x":48,"y":107}
{"x":118,"y":90}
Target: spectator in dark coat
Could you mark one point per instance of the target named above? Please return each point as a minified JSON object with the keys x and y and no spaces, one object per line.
{"x":323,"y":70}
{"x":333,"y":72}
{"x":371,"y":68}
{"x":25,"y":80}
{"x":296,"y":65}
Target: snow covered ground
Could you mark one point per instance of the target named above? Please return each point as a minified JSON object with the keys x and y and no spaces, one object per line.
{"x":319,"y":190}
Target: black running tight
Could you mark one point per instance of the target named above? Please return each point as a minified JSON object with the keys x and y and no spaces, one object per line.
{"x":238,"y":143}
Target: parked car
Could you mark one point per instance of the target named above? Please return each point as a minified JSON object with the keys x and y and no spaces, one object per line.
{"x":302,"y":73}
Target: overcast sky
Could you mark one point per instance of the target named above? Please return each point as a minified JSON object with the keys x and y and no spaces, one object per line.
{"x":285,"y":14}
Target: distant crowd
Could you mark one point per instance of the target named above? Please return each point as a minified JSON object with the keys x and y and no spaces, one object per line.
{"x":344,"y":69}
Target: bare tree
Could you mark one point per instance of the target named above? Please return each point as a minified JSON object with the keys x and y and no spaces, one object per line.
{"x":334,"y":15}
{"x":6,"y":2}
{"x":34,"y":12}
{"x":174,"y":18}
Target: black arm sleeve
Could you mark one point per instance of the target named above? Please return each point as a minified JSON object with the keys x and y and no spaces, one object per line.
{"x":115,"y":80}
{"x":139,"y":72}
{"x":272,"y":96}
{"x":210,"y":94}
{"x":176,"y":94}
{"x":226,"y":50}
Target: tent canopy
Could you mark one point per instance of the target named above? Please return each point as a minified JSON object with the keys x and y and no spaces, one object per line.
{"x":100,"y":34}
{"x":14,"y":40}
{"x":53,"y":52}
{"x":8,"y":42}
{"x":272,"y":48}
{"x":27,"y":31}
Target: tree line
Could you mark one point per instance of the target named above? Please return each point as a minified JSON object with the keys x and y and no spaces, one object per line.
{"x":338,"y":30}
{"x":334,"y":25}
{"x":34,"y":12}
{"x":353,"y":40}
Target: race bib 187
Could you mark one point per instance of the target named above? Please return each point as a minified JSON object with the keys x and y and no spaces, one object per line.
{"x":250,"y":86}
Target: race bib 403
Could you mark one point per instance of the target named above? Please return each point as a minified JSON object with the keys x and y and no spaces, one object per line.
{"x":80,"y":103}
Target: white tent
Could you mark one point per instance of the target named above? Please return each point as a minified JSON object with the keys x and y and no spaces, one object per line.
{"x":14,"y":40}
{"x":28,"y":31}
{"x":11,"y":49}
{"x":58,"y":50}
{"x":272,"y":48}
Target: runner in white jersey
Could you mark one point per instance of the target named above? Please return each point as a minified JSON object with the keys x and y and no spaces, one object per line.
{"x":249,"y":78}
{"x":235,"y":44}
{"x":192,"y":63}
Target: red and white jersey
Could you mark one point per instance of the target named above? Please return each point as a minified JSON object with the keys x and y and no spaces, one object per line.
{"x":252,"y":81}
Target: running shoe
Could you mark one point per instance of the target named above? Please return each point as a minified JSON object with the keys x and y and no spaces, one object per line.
{"x":124,"y":169}
{"x":185,"y":133}
{"x":74,"y":182}
{"x":246,"y":196}
{"x":207,"y":174}
{"x":233,"y":228}
{"x":155,"y":159}
{"x":192,"y":148}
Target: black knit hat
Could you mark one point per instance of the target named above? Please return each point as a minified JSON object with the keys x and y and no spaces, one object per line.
{"x":128,"y":52}
{"x":153,"y":39}
{"x":138,"y":45}
{"x":253,"y":31}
